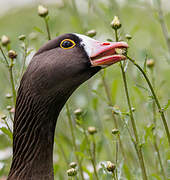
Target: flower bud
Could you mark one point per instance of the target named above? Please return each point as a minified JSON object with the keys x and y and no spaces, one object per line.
{"x":8,"y":108}
{"x":12,"y":54}
{"x":8,"y":95}
{"x":21,"y":37}
{"x":133,"y":109}
{"x":92,"y":130}
{"x":12,"y":110}
{"x":5,"y":40}
{"x":71,"y":172}
{"x":150,"y":63}
{"x":78,"y":112}
{"x":91,"y":33}
{"x":115,"y":24}
{"x":3,"y":117}
{"x":128,"y":36}
{"x":110,"y":166}
{"x":73,"y":164}
{"x":42,"y":11}
{"x":115,"y":131}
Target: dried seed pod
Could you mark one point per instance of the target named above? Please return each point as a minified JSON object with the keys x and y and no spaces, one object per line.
{"x":115,"y":24}
{"x":128,"y":36}
{"x":42,"y":11}
{"x":5,"y":40}
{"x":91,"y":33}
{"x":22,"y":37}
{"x":92,"y":130}
{"x":110,"y":166}
{"x":115,"y":131}
{"x":73,"y":164}
{"x":150,"y":63}
{"x":72,"y":172}
{"x":12,"y":54}
{"x":78,"y":112}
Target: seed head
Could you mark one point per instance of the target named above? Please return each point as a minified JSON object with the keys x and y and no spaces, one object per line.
{"x":92,"y":130}
{"x":78,"y":112}
{"x":91,"y":33}
{"x":12,"y":54}
{"x":150,"y":63}
{"x":73,"y":164}
{"x":110,"y":166}
{"x":22,"y":37}
{"x":72,"y":172}
{"x":115,"y":24}
{"x":115,"y":131}
{"x":42,"y":11}
{"x":5,"y":40}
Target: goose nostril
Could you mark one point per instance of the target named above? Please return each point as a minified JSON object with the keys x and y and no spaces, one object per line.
{"x":106,"y":43}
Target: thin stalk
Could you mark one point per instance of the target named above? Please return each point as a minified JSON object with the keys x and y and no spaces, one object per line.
{"x":92,"y":158}
{"x":113,"y":115}
{"x":74,"y":142}
{"x":10,"y":68}
{"x":24,"y":60}
{"x":3,"y":54}
{"x":155,"y":135}
{"x":137,"y":143}
{"x":163,"y":24}
{"x":161,"y":111}
{"x":47,"y":28}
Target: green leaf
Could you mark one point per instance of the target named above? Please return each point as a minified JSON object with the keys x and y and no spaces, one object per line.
{"x":7,"y":132}
{"x":95,"y":103}
{"x":38,"y":29}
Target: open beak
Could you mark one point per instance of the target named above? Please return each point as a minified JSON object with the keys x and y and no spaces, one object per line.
{"x":107,"y":53}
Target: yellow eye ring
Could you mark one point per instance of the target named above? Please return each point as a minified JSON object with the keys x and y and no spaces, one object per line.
{"x":67,"y":44}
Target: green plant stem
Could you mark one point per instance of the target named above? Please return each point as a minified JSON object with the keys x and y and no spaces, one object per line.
{"x":137,"y":143}
{"x":92,"y":156}
{"x":4,"y":56}
{"x":10,"y":68}
{"x":155,"y":134}
{"x":24,"y":60}
{"x":161,"y":111}
{"x":113,"y":115}
{"x":74,"y":141}
{"x":47,"y":28}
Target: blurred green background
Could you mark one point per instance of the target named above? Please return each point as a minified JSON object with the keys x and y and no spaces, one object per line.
{"x":140,"y":19}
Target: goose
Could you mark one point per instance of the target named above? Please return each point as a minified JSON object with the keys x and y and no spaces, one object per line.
{"x":54,"y":73}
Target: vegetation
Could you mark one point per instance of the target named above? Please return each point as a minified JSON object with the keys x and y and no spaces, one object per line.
{"x":115,"y":126}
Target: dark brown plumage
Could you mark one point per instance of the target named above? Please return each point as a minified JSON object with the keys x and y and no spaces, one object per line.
{"x":51,"y":77}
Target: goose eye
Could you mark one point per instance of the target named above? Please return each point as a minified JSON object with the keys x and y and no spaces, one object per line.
{"x":67,"y":44}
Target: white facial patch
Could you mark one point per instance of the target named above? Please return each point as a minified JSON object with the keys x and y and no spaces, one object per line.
{"x":87,"y":43}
